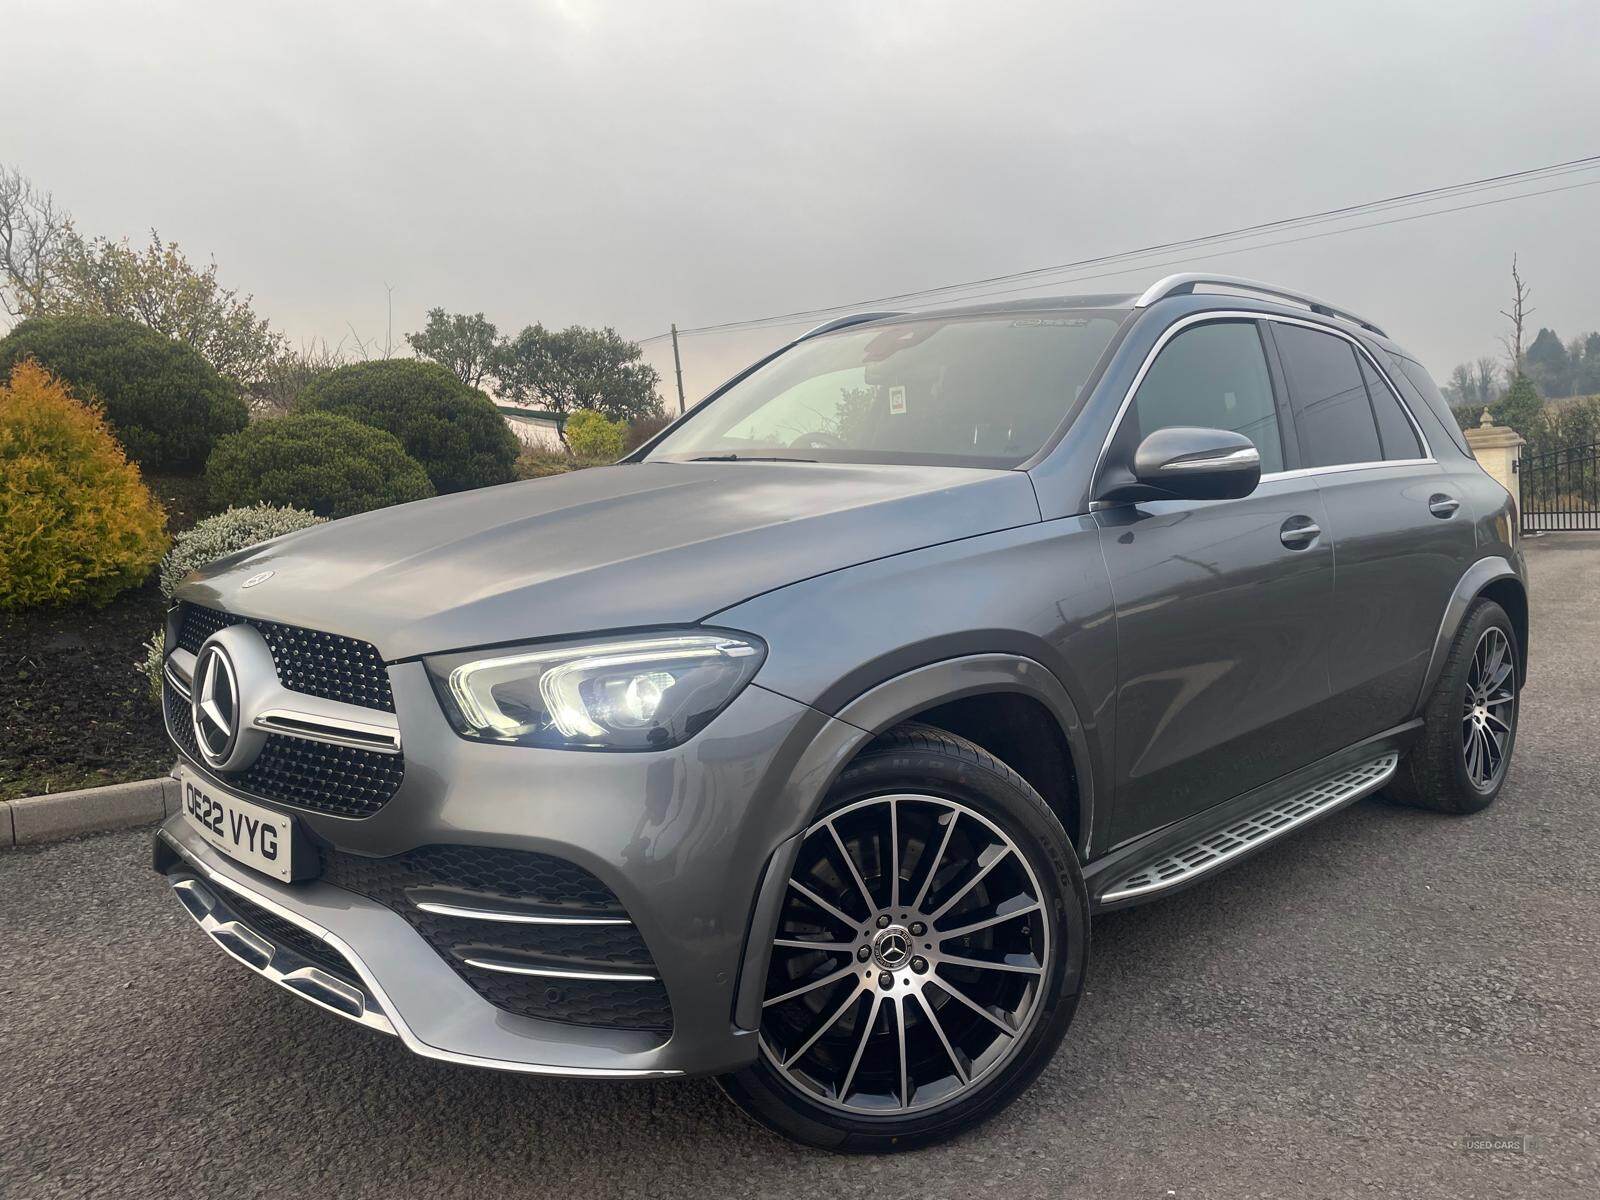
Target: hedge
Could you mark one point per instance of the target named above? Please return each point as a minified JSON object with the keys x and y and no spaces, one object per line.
{"x":451,"y":429}
{"x":165,"y":403}
{"x":328,"y":464}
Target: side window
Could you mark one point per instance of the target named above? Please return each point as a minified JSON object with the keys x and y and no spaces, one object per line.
{"x":1213,"y":376}
{"x":1419,"y":379}
{"x":1332,"y":414}
{"x":1394,"y":430}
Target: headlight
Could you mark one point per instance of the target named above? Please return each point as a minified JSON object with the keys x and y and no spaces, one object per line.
{"x":645,"y":692}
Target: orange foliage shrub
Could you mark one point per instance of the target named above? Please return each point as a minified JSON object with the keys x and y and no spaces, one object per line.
{"x":77,"y":524}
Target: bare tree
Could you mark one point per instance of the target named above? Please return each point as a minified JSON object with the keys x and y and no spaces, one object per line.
{"x":1488,"y":379}
{"x":34,"y":233}
{"x":1519,"y":313}
{"x":368,"y":349}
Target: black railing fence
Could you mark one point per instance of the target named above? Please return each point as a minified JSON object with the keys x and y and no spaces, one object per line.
{"x":1560,"y":489}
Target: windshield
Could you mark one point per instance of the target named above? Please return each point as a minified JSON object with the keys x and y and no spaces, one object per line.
{"x":963,"y":391}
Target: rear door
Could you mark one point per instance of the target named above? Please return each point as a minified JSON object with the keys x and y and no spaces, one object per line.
{"x":1222,"y":606}
{"x":1402,"y":535}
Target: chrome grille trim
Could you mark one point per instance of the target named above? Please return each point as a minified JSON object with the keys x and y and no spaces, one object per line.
{"x":1277,"y":819}
{"x":331,"y":722}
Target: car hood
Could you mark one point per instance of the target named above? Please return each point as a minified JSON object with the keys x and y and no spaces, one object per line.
{"x":609,"y":548}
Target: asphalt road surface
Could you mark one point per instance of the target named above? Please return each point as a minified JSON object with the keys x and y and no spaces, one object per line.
{"x":1331,"y":1018}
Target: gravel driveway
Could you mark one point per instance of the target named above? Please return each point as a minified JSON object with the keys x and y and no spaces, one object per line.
{"x":1331,"y":1018}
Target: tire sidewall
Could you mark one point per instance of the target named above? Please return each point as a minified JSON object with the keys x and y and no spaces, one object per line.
{"x":1018,"y":810}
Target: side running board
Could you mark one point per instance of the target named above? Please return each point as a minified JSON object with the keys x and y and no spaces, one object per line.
{"x":1247,"y":833}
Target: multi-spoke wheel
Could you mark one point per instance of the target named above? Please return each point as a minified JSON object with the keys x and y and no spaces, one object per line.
{"x":928,"y":953}
{"x":1470,"y":727}
{"x":1490,"y":709}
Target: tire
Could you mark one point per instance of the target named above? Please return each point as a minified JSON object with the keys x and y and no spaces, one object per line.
{"x":923,"y":1066}
{"x":1439,"y":773}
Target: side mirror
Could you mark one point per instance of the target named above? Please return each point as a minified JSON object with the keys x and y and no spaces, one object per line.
{"x":1185,"y":463}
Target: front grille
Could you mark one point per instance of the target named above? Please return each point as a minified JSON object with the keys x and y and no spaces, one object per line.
{"x":489,"y":877}
{"x":330,"y":779}
{"x":289,"y":936}
{"x":309,"y":661}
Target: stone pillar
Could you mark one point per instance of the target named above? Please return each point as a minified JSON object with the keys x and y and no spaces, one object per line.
{"x":1498,"y":451}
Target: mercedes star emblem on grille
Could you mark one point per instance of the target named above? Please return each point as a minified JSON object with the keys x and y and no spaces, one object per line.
{"x":214,"y":700}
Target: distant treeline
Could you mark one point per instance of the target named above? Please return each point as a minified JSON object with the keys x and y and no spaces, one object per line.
{"x":1556,"y":369}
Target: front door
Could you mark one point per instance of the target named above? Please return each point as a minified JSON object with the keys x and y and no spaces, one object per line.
{"x":1223,"y":607}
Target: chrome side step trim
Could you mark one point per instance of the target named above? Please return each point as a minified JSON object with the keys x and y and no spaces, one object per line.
{"x":277,"y":963}
{"x":489,"y":914}
{"x":1278,"y":818}
{"x":490,"y":964}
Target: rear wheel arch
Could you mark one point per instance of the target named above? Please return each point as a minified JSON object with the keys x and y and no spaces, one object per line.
{"x":1493,"y":578}
{"x":1509,"y":593}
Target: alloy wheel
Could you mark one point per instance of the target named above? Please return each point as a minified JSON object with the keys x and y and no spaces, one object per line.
{"x":913,"y":949}
{"x":1490,"y":709}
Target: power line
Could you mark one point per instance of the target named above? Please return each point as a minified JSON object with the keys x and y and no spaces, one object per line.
{"x":1310,"y":237}
{"x":1345,"y":212}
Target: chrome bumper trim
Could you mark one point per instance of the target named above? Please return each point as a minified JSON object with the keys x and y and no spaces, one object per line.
{"x":490,"y":964}
{"x":514,"y":918}
{"x":384,"y":1005}
{"x":278,"y":963}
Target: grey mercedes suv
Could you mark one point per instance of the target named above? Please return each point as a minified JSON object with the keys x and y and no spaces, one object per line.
{"x":800,"y":747}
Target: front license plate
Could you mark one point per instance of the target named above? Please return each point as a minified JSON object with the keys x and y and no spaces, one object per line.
{"x":245,"y":832}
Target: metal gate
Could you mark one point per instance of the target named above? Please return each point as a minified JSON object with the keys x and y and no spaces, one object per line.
{"x":1560,"y":489}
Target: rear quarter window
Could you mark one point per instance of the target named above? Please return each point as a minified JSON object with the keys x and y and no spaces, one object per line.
{"x":1422,"y":383}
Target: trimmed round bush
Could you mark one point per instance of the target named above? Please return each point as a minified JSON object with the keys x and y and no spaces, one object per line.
{"x":451,"y":429}
{"x":163,"y":401}
{"x":331,"y":465}
{"x":227,"y":533}
{"x":592,"y":434}
{"x":77,"y":524}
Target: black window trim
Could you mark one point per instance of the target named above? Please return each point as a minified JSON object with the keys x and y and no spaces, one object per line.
{"x":1282,"y":401}
{"x":1428,"y":458}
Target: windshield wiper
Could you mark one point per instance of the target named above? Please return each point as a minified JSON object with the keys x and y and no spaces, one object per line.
{"x":731,"y":457}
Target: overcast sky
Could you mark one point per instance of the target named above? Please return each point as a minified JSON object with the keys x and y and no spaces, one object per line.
{"x":632,"y":164}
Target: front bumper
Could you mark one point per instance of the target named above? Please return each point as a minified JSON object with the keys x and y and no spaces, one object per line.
{"x":683,"y":838}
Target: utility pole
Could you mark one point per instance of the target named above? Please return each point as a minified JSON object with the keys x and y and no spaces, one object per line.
{"x":677,"y":365}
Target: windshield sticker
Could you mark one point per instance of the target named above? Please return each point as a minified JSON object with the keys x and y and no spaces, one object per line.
{"x":897,"y":400}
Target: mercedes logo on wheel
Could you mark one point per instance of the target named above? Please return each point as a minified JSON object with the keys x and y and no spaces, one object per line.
{"x":214,"y":704}
{"x":892,"y":948}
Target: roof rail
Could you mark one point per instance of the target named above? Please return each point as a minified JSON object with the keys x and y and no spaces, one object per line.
{"x":845,"y":322}
{"x":1185,"y":284}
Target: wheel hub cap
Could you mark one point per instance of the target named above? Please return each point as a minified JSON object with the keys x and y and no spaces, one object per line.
{"x":891,"y":948}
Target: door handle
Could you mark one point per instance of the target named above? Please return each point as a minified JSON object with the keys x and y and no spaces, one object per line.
{"x":1299,"y":533}
{"x":1442,"y":506}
